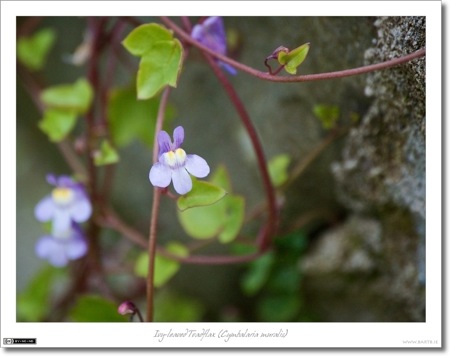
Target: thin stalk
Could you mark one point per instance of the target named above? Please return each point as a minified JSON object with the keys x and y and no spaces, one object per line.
{"x":155,"y":210}
{"x":298,"y":78}
{"x":257,"y":146}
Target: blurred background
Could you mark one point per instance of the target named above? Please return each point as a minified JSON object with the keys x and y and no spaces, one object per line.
{"x":351,"y":239}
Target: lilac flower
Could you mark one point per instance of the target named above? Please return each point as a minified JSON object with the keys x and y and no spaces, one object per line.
{"x":61,"y":248}
{"x":211,"y":33}
{"x":174,"y":165}
{"x":67,"y":203}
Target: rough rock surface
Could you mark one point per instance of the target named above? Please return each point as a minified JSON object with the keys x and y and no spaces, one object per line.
{"x":381,"y":176}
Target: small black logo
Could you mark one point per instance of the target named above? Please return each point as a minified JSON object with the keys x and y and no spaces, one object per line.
{"x":9,"y":341}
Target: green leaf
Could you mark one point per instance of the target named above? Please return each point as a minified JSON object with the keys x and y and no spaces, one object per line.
{"x":279,"y":308}
{"x":106,"y":155}
{"x":33,"y":304}
{"x":257,"y":274}
{"x":32,"y":51}
{"x":141,"y":39}
{"x":165,"y":268}
{"x":93,"y":308}
{"x":201,"y":194}
{"x":161,"y":58}
{"x":278,"y":169}
{"x":131,"y":119}
{"x":224,"y":218}
{"x":170,"y":307}
{"x":141,"y":265}
{"x":294,"y":58}
{"x":57,"y":124}
{"x":203,"y":222}
{"x":235,"y":206}
{"x":221,"y":178}
{"x":327,"y":114}
{"x":75,"y":97}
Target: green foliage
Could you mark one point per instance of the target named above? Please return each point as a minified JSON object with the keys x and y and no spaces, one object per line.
{"x":275,"y":280}
{"x":257,"y":274}
{"x":201,"y":194}
{"x":76,"y":97}
{"x":234,"y":218}
{"x":63,"y":104}
{"x":327,"y":114}
{"x":165,"y":268}
{"x":223,"y":219}
{"x":32,"y":51}
{"x":57,"y":124}
{"x":161,"y":58}
{"x":170,"y":307}
{"x":93,"y":308}
{"x":34,"y":302}
{"x":131,"y":119}
{"x":294,"y":58}
{"x":279,"y":308}
{"x":106,"y":155}
{"x":278,"y":169}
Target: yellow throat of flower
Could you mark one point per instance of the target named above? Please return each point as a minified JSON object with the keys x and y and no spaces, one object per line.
{"x":62,"y":196}
{"x":175,"y":158}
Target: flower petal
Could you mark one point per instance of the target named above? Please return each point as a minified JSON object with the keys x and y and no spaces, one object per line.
{"x":45,"y":209}
{"x":81,"y":209}
{"x":178,"y":137}
{"x":164,"y":142}
{"x":197,"y":166}
{"x":65,"y":181}
{"x":182,"y":181}
{"x":75,"y":248}
{"x":160,"y":175}
{"x":211,"y":33}
{"x":52,"y":179}
{"x":52,"y":250}
{"x":61,"y":222}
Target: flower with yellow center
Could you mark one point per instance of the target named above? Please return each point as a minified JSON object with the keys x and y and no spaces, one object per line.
{"x":67,"y":203}
{"x":174,"y":165}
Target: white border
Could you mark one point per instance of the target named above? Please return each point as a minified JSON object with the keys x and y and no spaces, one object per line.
{"x":372,"y":335}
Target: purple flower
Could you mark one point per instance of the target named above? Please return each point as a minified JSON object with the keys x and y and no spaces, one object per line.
{"x":67,"y":203}
{"x":60,"y":249}
{"x":174,"y":165}
{"x":211,"y":33}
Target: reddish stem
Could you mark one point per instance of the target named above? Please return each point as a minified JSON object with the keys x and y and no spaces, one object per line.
{"x":155,"y":210}
{"x":264,"y":243}
{"x":298,"y":78}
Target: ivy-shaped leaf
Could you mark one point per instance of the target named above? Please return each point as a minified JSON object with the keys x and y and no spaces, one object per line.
{"x":161,"y":58}
{"x":223,"y":219}
{"x":294,"y":58}
{"x":32,"y":51}
{"x":76,"y":97}
{"x":57,"y":123}
{"x":201,"y":194}
{"x":106,"y":155}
